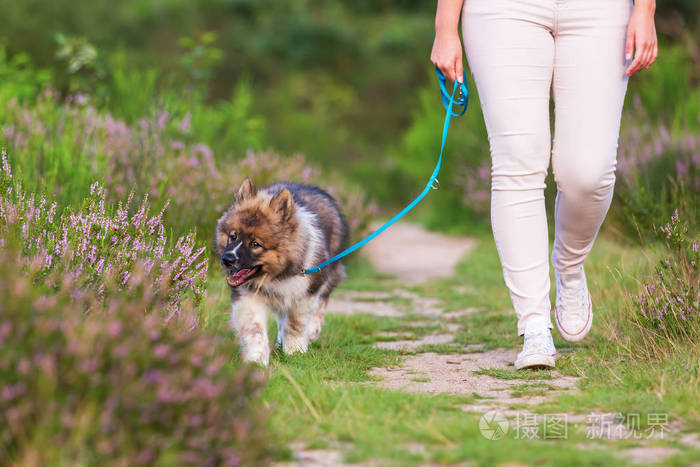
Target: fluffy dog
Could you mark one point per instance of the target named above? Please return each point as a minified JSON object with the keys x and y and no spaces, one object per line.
{"x":265,"y":241}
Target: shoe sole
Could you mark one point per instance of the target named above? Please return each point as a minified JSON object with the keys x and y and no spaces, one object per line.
{"x":535,"y":360}
{"x":578,"y":336}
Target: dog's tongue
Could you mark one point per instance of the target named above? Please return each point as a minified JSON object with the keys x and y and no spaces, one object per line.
{"x":239,"y":277}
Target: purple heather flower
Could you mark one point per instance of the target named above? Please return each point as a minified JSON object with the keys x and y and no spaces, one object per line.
{"x":162,"y":119}
{"x":115,"y":328}
{"x":161,"y":350}
{"x":145,"y":456}
{"x":185,"y":123}
{"x":177,"y":146}
{"x":681,"y":167}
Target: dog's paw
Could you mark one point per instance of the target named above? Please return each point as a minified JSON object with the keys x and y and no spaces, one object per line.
{"x":258,"y":355}
{"x":314,"y":333}
{"x":314,"y":330}
{"x":316,"y":324}
{"x":295,"y":344}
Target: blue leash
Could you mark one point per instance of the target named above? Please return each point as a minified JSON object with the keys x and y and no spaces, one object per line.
{"x":448,"y":101}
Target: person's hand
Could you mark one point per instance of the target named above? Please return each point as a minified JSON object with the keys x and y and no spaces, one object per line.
{"x":641,"y":38}
{"x":447,"y":55}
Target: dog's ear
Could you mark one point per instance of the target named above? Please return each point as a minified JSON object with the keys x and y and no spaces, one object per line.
{"x":283,"y":204}
{"x":247,"y":190}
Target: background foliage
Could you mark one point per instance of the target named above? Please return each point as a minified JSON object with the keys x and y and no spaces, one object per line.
{"x":174,"y":102}
{"x":347,"y":84}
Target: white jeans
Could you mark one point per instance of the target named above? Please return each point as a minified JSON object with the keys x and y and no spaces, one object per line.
{"x":517,"y":51}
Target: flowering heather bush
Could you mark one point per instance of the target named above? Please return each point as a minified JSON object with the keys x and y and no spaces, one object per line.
{"x":658,"y":172}
{"x":61,"y":147}
{"x":668,"y":307}
{"x":94,"y":247}
{"x":115,"y":387}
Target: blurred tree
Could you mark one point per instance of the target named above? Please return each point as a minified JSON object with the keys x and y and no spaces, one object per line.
{"x":200,"y":58}
{"x":82,"y":68}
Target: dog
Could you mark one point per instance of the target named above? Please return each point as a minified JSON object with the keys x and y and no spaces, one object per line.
{"x":265,"y":241}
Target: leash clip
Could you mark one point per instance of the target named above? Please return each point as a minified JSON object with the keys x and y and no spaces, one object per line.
{"x":435,"y":185}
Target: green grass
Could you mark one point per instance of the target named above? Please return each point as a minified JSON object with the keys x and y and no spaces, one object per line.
{"x":327,"y":399}
{"x":513,"y":374}
{"x":364,"y":277}
{"x":531,"y":389}
{"x":421,"y":379}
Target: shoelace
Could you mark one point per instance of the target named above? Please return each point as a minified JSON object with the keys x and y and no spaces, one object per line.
{"x":538,"y":343}
{"x":573,"y":299}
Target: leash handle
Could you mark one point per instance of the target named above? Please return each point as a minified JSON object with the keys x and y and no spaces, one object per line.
{"x":448,"y":101}
{"x":462,"y":99}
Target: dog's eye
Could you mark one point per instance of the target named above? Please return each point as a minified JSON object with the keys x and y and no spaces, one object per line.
{"x":232,"y":236}
{"x":255,"y":245}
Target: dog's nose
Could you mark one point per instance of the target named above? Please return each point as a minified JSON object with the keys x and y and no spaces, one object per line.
{"x":228,"y":259}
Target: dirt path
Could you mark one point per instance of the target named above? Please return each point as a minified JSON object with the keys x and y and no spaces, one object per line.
{"x":466,"y":370}
{"x":486,"y":375}
{"x":414,"y":254}
{"x":404,"y":251}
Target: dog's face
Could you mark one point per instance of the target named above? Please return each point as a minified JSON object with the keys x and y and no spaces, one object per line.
{"x":257,"y":236}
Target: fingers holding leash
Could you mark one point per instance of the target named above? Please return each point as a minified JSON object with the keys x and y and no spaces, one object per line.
{"x":447,"y":56}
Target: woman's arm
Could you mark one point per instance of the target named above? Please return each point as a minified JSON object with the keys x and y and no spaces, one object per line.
{"x":641,"y":36}
{"x":447,"y":48}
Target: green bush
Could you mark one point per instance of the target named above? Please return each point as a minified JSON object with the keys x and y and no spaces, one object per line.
{"x":666,"y":91}
{"x":659,"y":147}
{"x":658,"y":173}
{"x":19,"y":79}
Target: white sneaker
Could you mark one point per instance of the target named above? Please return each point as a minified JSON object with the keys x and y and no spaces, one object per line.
{"x":538,"y":350}
{"x":573,"y":311}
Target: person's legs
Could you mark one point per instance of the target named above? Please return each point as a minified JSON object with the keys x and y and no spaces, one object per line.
{"x":510,"y":50}
{"x":589,"y":90}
